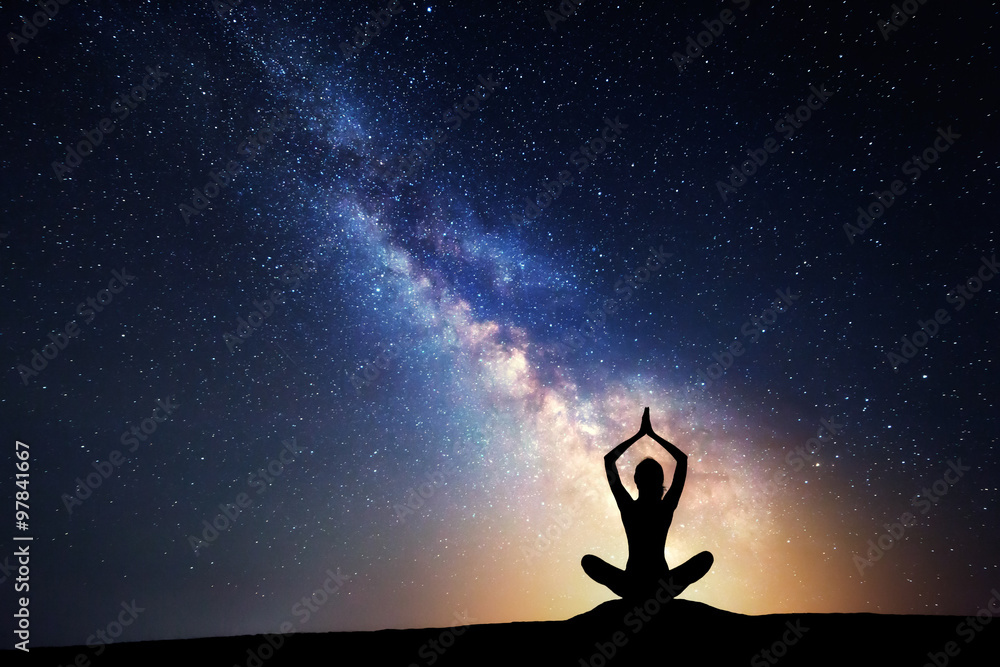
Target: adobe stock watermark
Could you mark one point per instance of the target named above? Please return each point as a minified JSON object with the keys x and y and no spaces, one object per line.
{"x":371,"y":370}
{"x":38,"y":20}
{"x":104,"y":469}
{"x":636,"y":619}
{"x":779,"y":648}
{"x":454,"y":116}
{"x":305,"y":608}
{"x":582,"y":158}
{"x":264,"y":309}
{"x":751,"y":329}
{"x":103,"y":637}
{"x":959,"y":296}
{"x":310,"y":604}
{"x":561,"y":522}
{"x":924,"y":500}
{"x":967,"y":630}
{"x":95,"y":137}
{"x":788,"y":125}
{"x":574,"y":339}
{"x":277,"y":363}
{"x":249,"y":148}
{"x":364,"y":33}
{"x":23,"y":585}
{"x":261,"y":480}
{"x":432,"y":650}
{"x":803,"y":454}
{"x":224,"y":8}
{"x":901,"y":13}
{"x":88,"y":310}
{"x":416,"y":496}
{"x":563,"y":11}
{"x":914,"y":168}
{"x":704,"y":39}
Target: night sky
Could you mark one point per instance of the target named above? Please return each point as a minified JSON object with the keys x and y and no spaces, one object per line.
{"x":251,"y":289}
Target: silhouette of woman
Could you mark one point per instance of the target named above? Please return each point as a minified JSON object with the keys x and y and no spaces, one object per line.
{"x":646,"y":522}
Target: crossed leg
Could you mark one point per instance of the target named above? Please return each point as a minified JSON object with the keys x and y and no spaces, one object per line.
{"x":626,"y":585}
{"x":606,"y":574}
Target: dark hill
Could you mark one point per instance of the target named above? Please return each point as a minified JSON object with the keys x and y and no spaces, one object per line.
{"x":683,"y":632}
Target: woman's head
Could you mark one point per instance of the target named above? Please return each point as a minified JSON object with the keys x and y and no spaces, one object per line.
{"x":649,"y":478}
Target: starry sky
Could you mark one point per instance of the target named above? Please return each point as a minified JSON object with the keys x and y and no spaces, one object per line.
{"x":393,"y":296}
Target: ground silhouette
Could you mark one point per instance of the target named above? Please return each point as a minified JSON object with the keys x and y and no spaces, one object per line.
{"x":682,"y":632}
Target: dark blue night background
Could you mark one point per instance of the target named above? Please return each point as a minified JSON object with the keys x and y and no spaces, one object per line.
{"x":404,"y":366}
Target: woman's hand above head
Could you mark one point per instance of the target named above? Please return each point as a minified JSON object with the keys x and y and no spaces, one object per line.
{"x":646,"y":428}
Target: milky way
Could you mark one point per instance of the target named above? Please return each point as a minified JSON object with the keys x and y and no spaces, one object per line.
{"x":366,"y":308}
